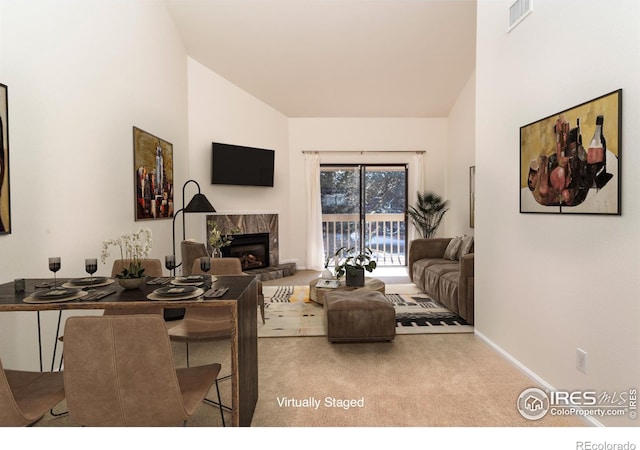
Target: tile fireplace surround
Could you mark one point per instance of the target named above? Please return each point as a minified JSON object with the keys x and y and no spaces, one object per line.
{"x":249,"y":224}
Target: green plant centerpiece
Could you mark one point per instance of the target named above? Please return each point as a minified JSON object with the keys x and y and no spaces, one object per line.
{"x":218,"y":239}
{"x":428,"y":213}
{"x":134,"y":247}
{"x":352,"y":262}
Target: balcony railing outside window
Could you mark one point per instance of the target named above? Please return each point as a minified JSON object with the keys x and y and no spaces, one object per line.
{"x":385,"y":235}
{"x":364,"y":205}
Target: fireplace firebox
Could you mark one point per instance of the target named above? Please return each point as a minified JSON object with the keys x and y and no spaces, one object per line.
{"x":252,"y":250}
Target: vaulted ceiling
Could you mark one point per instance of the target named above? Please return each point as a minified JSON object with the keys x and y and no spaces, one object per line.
{"x":336,"y":58}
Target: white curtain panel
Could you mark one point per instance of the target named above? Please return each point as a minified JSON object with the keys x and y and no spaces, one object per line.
{"x":416,"y":183}
{"x":315,"y":249}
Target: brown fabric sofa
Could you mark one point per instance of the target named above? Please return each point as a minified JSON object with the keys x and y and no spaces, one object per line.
{"x":448,"y":281}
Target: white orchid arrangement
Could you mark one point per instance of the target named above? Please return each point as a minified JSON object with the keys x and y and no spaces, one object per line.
{"x":133,"y":247}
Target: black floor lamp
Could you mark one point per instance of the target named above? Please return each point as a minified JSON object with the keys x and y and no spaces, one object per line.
{"x":198,"y":204}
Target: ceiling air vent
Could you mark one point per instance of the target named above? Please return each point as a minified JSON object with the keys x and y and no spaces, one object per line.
{"x":518,"y":11}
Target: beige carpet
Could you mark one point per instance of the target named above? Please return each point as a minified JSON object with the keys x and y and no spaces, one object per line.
{"x":452,"y":380}
{"x":432,"y":380}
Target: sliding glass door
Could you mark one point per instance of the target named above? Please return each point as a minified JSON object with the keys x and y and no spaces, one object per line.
{"x":365,"y":206}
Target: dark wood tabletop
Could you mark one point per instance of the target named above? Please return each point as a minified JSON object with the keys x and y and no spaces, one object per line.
{"x":121,"y":298}
{"x":242,"y":297}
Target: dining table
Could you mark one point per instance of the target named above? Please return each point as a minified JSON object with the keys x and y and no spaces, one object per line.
{"x":241,"y":296}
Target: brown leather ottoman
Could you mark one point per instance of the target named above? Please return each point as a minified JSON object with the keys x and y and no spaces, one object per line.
{"x":359,"y":316}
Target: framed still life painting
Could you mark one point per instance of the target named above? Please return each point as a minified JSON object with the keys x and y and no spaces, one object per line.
{"x":5,"y":204}
{"x":153,"y":175}
{"x":570,"y":161}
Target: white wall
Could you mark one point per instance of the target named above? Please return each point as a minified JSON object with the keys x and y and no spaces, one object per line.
{"x":460,"y":157}
{"x":221,"y":112}
{"x":81,"y":74}
{"x":546,"y":284}
{"x":342,"y":137}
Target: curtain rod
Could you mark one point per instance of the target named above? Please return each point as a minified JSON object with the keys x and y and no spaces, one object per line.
{"x":419,"y":152}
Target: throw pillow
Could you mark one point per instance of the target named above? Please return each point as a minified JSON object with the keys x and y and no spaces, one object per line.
{"x":465,"y":246}
{"x":451,"y":251}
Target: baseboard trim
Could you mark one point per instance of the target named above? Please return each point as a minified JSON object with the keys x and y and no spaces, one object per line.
{"x":529,"y":373}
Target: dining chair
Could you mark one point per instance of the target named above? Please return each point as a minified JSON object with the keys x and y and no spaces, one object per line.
{"x":120,"y":371}
{"x":202,"y":324}
{"x":26,"y":396}
{"x":152,"y":268}
{"x":190,"y":250}
{"x":229,"y":266}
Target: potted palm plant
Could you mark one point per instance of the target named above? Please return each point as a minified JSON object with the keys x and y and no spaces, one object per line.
{"x":352,"y":262}
{"x":428,"y":213}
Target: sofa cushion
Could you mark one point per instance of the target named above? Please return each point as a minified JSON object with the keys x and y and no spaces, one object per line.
{"x":451,"y":251}
{"x":448,"y":291}
{"x":465,"y":246}
{"x":422,"y":264}
{"x":442,"y":266}
{"x":432,"y":273}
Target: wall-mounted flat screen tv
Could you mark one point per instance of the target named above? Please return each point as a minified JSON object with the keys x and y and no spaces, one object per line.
{"x":241,"y":166}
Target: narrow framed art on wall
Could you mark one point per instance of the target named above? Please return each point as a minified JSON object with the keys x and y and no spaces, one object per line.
{"x":570,"y":161}
{"x":472,"y":196}
{"x":153,"y":176}
{"x":5,"y":200}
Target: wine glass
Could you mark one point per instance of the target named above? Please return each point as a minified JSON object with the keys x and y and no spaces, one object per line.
{"x":91,"y":266}
{"x":54,"y":266}
{"x":205,"y":266}
{"x":170,"y":262}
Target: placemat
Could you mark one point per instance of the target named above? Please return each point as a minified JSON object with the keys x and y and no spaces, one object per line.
{"x":185,"y":281}
{"x":75,"y":296}
{"x":69,"y":284}
{"x":198,"y":292}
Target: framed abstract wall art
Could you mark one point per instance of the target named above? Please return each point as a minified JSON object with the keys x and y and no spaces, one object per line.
{"x":570,"y":161}
{"x":5,"y":203}
{"x":472,"y":196}
{"x":153,"y":176}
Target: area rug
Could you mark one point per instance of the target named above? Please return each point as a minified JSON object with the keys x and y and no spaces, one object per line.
{"x":289,"y":312}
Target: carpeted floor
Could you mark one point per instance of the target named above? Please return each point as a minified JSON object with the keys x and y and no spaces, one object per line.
{"x":422,"y":380}
{"x":428,"y":380}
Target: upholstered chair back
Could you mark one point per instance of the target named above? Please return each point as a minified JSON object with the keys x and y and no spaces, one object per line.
{"x":152,"y":267}
{"x":119,"y":371}
{"x":190,"y":251}
{"x":219,"y":266}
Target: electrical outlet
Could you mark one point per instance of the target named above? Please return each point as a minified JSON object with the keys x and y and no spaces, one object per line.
{"x":581,"y":360}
